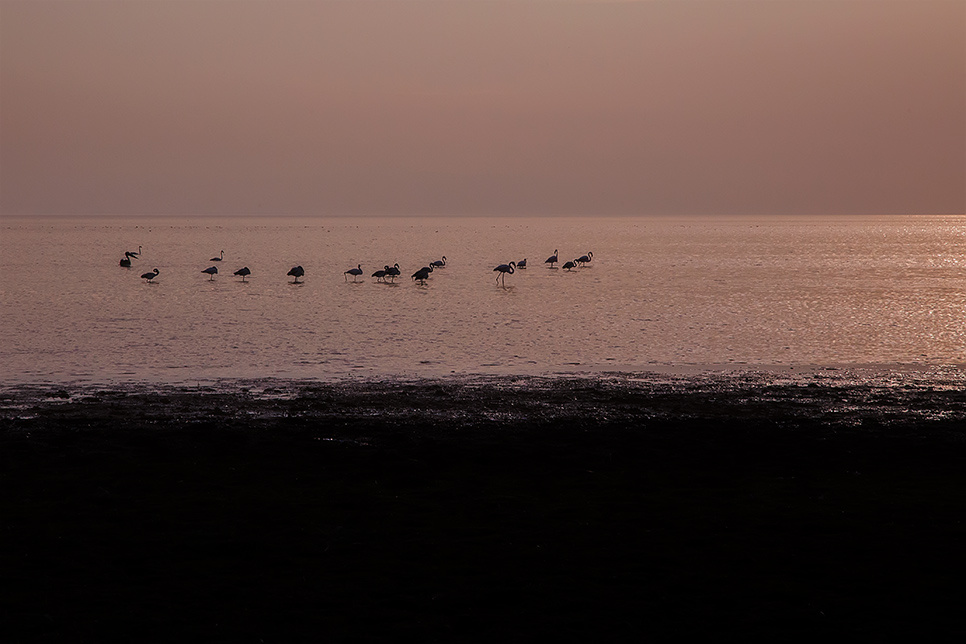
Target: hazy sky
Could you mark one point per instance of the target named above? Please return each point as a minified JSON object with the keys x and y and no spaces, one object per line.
{"x":483,"y":107}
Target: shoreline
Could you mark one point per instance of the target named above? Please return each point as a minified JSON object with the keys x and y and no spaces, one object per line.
{"x":613,"y":370}
{"x":482,"y":508}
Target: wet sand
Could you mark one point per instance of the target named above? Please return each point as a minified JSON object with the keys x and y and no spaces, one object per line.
{"x":476,"y":510}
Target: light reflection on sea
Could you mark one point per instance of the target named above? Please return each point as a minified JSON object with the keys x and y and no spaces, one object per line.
{"x":659,"y":294}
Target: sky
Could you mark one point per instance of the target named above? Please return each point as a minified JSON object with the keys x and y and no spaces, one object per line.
{"x":500,"y":107}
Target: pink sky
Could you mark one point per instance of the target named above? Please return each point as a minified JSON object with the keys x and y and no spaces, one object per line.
{"x":473,"y":107}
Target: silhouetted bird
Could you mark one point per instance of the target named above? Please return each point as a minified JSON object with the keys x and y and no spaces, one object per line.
{"x":296,"y":272}
{"x":354,"y":272}
{"x":150,"y":276}
{"x":522,"y":263}
{"x":569,"y":265}
{"x":125,"y":262}
{"x":219,"y":258}
{"x":584,"y":259}
{"x":244,"y":272}
{"x":503,"y":270}
{"x":212,"y":271}
{"x":552,"y":259}
{"x":422,"y":274}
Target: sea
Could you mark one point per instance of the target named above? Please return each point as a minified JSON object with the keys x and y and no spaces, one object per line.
{"x":771,"y":294}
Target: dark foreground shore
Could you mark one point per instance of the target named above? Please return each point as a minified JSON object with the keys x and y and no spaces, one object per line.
{"x":599,"y":509}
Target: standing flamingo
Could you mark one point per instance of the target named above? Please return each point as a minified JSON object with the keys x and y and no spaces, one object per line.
{"x":150,"y":276}
{"x":354,"y":272}
{"x":584,"y":259}
{"x":422,"y":274}
{"x":552,"y":259}
{"x":503,"y":270}
{"x":244,"y":272}
{"x":296,"y":272}
{"x":212,"y":271}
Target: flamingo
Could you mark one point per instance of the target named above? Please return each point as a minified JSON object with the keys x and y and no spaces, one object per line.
{"x":125,"y":262}
{"x":393,"y":271}
{"x":354,"y":272}
{"x":381,"y":274}
{"x":150,"y":276}
{"x":212,"y":271}
{"x":552,"y":259}
{"x":422,"y":274}
{"x":584,"y":259}
{"x":569,"y":266}
{"x":504,"y":269}
{"x":218,"y":259}
{"x":244,"y":272}
{"x":296,"y":272}
{"x":522,"y":263}
{"x":439,"y":263}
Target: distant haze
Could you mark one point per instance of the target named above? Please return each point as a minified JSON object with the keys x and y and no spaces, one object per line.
{"x":474,"y":107}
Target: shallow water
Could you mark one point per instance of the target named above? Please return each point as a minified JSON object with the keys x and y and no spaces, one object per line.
{"x":659,"y":294}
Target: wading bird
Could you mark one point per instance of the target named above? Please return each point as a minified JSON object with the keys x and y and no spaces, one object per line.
{"x":503,"y":270}
{"x":439,"y":263}
{"x":380,"y":274}
{"x":212,"y":271}
{"x":569,"y":266}
{"x":296,"y":272}
{"x":584,"y":259}
{"x":422,"y":274}
{"x":125,"y":262}
{"x":150,"y":276}
{"x":243,"y":272}
{"x":393,"y":271}
{"x":219,"y":258}
{"x":552,"y":259}
{"x":522,"y":263}
{"x":354,"y":272}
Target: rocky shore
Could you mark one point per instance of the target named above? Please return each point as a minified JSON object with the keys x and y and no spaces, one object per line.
{"x":477,"y":510}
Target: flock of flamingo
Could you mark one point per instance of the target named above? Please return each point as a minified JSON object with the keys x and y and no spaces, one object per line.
{"x":386,"y":274}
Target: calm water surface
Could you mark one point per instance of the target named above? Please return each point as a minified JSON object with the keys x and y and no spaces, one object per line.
{"x":658,"y":293}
